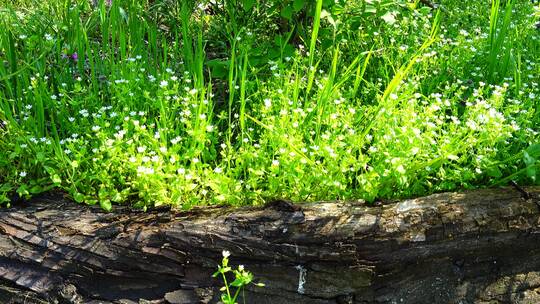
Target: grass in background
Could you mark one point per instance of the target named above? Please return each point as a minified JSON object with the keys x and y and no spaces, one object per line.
{"x":203,"y":102}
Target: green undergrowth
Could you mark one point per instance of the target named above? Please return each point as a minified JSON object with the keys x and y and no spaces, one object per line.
{"x":236,"y":102}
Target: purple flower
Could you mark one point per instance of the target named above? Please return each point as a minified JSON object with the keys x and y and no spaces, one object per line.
{"x":74,"y":56}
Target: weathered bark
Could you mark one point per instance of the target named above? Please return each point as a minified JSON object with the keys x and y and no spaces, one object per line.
{"x":480,"y":246}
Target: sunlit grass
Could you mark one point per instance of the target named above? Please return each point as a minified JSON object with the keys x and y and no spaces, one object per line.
{"x":153,"y":103}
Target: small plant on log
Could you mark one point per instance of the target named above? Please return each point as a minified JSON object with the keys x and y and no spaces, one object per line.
{"x":242,"y":279}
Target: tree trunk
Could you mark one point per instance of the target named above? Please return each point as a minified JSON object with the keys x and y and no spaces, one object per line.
{"x":479,"y":246}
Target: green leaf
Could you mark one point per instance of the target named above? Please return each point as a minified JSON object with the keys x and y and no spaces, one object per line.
{"x":425,"y":10}
{"x":103,"y":193}
{"x":123,"y":14}
{"x":278,"y":40}
{"x":220,"y":68}
{"x":534,"y":150}
{"x":298,"y":5}
{"x":40,"y":156}
{"x":105,"y":205}
{"x":370,"y":9}
{"x":5,"y":187}
{"x":56,"y":179}
{"x":78,"y":197}
{"x":116,"y":197}
{"x":91,"y":202}
{"x":494,"y":172}
{"x":527,"y":159}
{"x":248,"y":4}
{"x":531,"y":172}
{"x":23,"y":190}
{"x":287,"y":12}
{"x":238,"y":282}
{"x":36,"y":189}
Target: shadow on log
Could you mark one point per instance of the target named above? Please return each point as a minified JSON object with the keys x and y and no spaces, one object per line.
{"x":473,"y":247}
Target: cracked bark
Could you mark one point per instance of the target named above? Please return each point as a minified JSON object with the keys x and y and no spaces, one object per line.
{"x":473,"y":247}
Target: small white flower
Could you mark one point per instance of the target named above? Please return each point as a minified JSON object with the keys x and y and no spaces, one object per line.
{"x":218,"y":170}
{"x":267,"y":103}
{"x":22,"y":174}
{"x":275,"y":163}
{"x":95,"y":128}
{"x":163,"y":83}
{"x":226,"y":253}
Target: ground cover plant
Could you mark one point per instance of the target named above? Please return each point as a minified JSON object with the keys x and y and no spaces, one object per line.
{"x":153,"y":102}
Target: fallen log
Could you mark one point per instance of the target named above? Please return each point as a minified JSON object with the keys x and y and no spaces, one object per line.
{"x":479,"y":246}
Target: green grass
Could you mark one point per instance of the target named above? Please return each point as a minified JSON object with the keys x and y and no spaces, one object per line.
{"x":238,"y":102}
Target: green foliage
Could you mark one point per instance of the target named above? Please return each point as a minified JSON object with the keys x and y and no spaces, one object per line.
{"x":212,"y":102}
{"x":242,"y":278}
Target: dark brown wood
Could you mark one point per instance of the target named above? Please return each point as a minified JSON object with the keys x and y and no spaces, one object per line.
{"x":473,"y":247}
